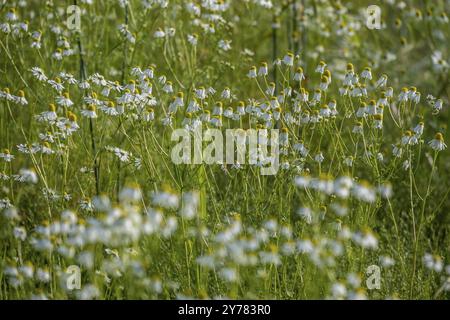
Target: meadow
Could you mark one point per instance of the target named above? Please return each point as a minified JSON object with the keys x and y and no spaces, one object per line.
{"x":94,"y":206}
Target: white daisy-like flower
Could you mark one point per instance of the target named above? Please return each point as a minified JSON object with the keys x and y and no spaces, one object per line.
{"x":225,"y":45}
{"x":298,"y":75}
{"x":438,"y":143}
{"x":26,"y":175}
{"x":252,"y":73}
{"x":263,"y":69}
{"x":321,"y":67}
{"x":192,"y":39}
{"x":90,"y":112}
{"x":366,"y":74}
{"x":382,"y":81}
{"x":64,"y":100}
{"x":288,"y":59}
{"x":159,"y":33}
{"x":6,"y":155}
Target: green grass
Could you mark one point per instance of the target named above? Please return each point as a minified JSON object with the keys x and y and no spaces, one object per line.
{"x":108,"y":198}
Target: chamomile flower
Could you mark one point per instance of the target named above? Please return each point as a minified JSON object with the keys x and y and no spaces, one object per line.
{"x":438,"y":144}
{"x":224,"y":45}
{"x":168,"y":88}
{"x":382,"y":81}
{"x":159,"y":33}
{"x":26,"y":175}
{"x":366,"y":74}
{"x":378,"y":121}
{"x":64,"y":100}
{"x":298,"y":75}
{"x":433,"y":262}
{"x":403,"y":95}
{"x":20,"y":99}
{"x":252,"y":73}
{"x":6,"y":155}
{"x":418,"y":130}
{"x":289,"y":59}
{"x":270,"y":89}
{"x":321,"y":67}
{"x":109,"y":109}
{"x":358,"y":127}
{"x":226,"y":93}
{"x":319,"y":157}
{"x":90,"y":112}
{"x":263,"y":69}
{"x":192,"y":39}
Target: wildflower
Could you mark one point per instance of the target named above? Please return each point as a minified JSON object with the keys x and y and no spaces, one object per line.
{"x":332,"y":106}
{"x":89,"y":112}
{"x":226,"y":93}
{"x":26,"y":175}
{"x":168,"y":87}
{"x":300,"y":147}
{"x":240,"y":109}
{"x":159,"y":33}
{"x":64,"y":100}
{"x":338,"y":291}
{"x":298,"y":75}
{"x":218,"y":109}
{"x":228,"y":274}
{"x":39,"y":74}
{"x":382,"y":81}
{"x":437,"y":144}
{"x":406,"y":165}
{"x":397,"y":150}
{"x":378,"y":121}
{"x":366,"y":239}
{"x":409,"y":139}
{"x":274,"y":103}
{"x":46,"y":149}
{"x":225,"y":45}
{"x":289,"y":59}
{"x":348,"y":161}
{"x":5,"y":204}
{"x":321,"y":67}
{"x":433,"y":262}
{"x":324,"y":83}
{"x":319,"y":157}
{"x":192,"y":39}
{"x":148,"y":115}
{"x":263,"y":69}
{"x":11,"y":15}
{"x":366,"y":74}
{"x":165,"y":199}
{"x":21,"y":98}
{"x":216,"y":121}
{"x":358,"y":127}
{"x":130,"y":193}
{"x":387,"y":261}
{"x":189,"y":204}
{"x":270,"y":89}
{"x":43,"y":275}
{"x":6,"y":155}
{"x":304,"y":95}
{"x":123,"y":155}
{"x":325,"y":111}
{"x":110,"y":109}
{"x":404,"y":95}
{"x":86,"y":204}
{"x":317,"y":95}
{"x":437,"y":105}
{"x":418,"y":130}
{"x":305,"y":214}
{"x":252,"y":73}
